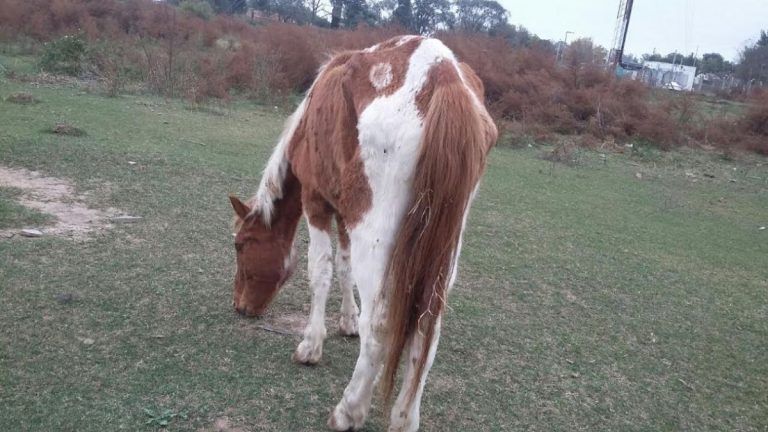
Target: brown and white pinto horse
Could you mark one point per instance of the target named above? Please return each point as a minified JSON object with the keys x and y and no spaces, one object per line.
{"x":390,"y":141}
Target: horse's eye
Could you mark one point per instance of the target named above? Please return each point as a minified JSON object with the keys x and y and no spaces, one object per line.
{"x":239,"y":246}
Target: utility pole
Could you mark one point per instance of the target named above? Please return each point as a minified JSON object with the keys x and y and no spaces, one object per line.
{"x":561,"y":48}
{"x":696,"y":57}
{"x":620,"y":34}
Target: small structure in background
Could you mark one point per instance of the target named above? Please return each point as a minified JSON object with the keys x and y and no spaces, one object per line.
{"x":714,"y":83}
{"x":668,"y":75}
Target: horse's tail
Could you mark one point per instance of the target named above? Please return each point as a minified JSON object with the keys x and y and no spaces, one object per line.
{"x":457,"y":136}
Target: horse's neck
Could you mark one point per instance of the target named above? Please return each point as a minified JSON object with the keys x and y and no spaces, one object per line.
{"x":287,"y":211}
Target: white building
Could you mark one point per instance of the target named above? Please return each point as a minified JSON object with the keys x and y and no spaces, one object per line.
{"x":668,"y":75}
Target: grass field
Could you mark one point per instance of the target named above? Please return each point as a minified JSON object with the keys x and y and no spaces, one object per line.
{"x":619,"y":293}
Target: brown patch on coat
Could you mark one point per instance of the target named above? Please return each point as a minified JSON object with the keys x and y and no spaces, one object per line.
{"x":324,"y":150}
{"x":476,"y":84}
{"x":317,"y":210}
{"x":425,"y":94}
{"x":440,"y":72}
{"x":473,"y":81}
{"x":343,"y":233}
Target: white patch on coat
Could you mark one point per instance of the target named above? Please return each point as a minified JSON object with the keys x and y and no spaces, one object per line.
{"x":381,"y":75}
{"x":271,"y":186}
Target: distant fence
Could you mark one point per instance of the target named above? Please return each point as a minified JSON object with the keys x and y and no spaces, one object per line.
{"x":717,"y":84}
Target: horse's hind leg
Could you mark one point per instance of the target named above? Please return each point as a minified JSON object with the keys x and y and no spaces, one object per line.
{"x":405,"y":414}
{"x":368,"y":262}
{"x":350,"y":413}
{"x":348,"y":325}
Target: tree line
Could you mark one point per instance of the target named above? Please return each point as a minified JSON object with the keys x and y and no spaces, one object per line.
{"x":476,"y":16}
{"x":416,"y":16}
{"x":752,"y":63}
{"x":419,"y":16}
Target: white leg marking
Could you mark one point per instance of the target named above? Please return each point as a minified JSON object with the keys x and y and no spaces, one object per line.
{"x":404,"y":417}
{"x":368,"y":261}
{"x":348,"y":325}
{"x":320,"y":269}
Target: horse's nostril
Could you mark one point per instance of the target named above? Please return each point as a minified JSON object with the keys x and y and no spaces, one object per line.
{"x":239,"y":247}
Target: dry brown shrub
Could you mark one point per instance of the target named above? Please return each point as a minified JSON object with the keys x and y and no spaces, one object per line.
{"x":748,"y":133}
{"x":756,"y":120}
{"x":526,"y":90}
{"x":753,"y":127}
{"x":528,"y":87}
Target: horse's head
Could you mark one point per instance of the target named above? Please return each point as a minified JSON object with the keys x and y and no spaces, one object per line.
{"x":264,"y":260}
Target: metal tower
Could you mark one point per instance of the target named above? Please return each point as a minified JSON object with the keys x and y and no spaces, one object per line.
{"x":620,"y":34}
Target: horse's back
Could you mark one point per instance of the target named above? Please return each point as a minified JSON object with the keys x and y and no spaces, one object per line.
{"x":360,"y":135}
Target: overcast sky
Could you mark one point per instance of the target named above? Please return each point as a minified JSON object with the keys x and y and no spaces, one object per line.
{"x":664,"y":25}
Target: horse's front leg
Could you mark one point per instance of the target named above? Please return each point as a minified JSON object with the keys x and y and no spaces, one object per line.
{"x":320,"y":269}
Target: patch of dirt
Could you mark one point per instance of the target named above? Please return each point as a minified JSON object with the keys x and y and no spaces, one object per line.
{"x":281,"y":322}
{"x":224,"y":424}
{"x":288,"y":322}
{"x":55,"y":196}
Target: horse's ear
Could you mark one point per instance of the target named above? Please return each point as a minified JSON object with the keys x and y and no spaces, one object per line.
{"x":241,"y":210}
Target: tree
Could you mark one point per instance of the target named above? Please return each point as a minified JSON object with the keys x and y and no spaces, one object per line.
{"x":229,"y":7}
{"x":383,"y":10}
{"x":630,"y":58}
{"x":583,"y":51}
{"x":753,"y":63}
{"x":357,"y":12}
{"x":763,"y":41}
{"x":314,"y":7}
{"x":337,"y":7}
{"x":714,"y":63}
{"x":290,"y":11}
{"x":200,"y":8}
{"x":753,"y":60}
{"x":480,"y":15}
{"x":655,"y":57}
{"x":403,"y":14}
{"x":516,"y":36}
{"x":674,"y":57}
{"x":431,"y":15}
{"x":689,"y":60}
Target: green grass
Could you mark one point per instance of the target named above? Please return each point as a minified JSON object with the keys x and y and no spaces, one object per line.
{"x":14,"y":215}
{"x":588,"y":299}
{"x":711,"y":108}
{"x":703,"y":108}
{"x":11,"y":62}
